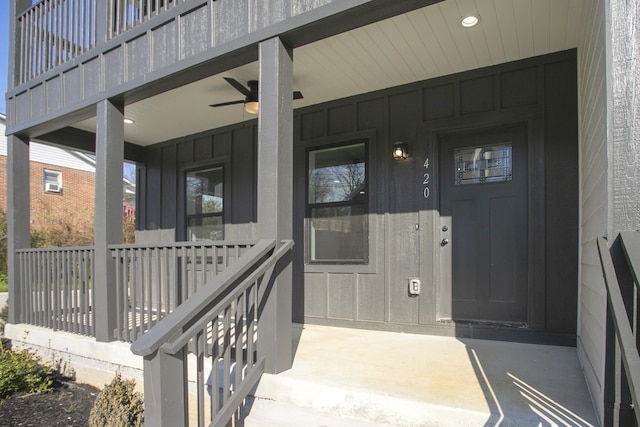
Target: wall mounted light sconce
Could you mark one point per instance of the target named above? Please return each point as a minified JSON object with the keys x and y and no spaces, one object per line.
{"x":400,"y":151}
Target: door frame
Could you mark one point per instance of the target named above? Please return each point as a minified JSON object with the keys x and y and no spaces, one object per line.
{"x":531,"y":124}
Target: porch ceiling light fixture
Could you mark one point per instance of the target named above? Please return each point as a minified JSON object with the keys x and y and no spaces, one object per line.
{"x":400,"y":151}
{"x":128,"y":121}
{"x":470,"y":21}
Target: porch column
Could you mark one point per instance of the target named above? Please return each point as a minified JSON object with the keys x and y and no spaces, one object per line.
{"x":108,"y":213}
{"x":18,"y":218}
{"x":275,"y":193}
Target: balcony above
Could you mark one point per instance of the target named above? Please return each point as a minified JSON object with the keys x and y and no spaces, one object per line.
{"x":70,"y":54}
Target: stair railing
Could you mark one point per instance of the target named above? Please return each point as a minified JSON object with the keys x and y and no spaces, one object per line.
{"x":620,"y":266}
{"x":220,"y":326}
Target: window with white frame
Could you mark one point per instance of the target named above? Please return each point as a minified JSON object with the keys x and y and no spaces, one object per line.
{"x":52,"y":181}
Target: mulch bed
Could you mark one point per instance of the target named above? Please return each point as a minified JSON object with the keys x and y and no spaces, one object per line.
{"x":69,"y":404}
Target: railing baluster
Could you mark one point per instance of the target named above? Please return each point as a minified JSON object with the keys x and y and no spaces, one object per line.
{"x":200,"y":341}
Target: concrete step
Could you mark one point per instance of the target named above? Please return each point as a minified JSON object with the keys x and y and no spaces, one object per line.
{"x":268,"y":413}
{"x":341,"y":376}
{"x":284,"y":402}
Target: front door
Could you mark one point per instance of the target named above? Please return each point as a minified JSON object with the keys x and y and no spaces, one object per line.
{"x":483,"y":225}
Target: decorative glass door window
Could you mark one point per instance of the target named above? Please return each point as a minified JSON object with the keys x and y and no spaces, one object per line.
{"x":205,"y":204}
{"x":476,"y":165}
{"x":337,"y":204}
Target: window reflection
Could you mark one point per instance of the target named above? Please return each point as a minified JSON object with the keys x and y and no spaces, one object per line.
{"x":337,"y":204}
{"x":205,"y":204}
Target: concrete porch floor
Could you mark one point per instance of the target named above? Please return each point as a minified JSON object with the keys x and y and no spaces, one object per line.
{"x":358,"y":377}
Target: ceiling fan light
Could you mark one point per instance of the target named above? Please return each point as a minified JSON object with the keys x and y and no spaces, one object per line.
{"x":251,"y":107}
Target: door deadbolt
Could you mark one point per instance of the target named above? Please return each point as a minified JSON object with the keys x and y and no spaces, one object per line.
{"x":444,"y":242}
{"x":445,"y":228}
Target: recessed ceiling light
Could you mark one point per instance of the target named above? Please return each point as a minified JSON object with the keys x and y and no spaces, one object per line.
{"x":128,"y":121}
{"x":470,"y":21}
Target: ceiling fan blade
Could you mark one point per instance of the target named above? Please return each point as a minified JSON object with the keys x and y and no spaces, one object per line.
{"x":224,"y":104}
{"x":297,"y":95}
{"x":238,"y":86}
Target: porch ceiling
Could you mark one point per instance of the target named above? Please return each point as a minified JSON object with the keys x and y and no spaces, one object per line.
{"x":420,"y":45}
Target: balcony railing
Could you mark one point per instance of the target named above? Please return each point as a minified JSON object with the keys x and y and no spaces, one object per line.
{"x":52,"y":32}
{"x":57,"y":288}
{"x":126,"y":14}
{"x":152,"y":280}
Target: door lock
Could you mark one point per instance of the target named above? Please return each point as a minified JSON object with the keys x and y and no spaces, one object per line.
{"x":444,"y":242}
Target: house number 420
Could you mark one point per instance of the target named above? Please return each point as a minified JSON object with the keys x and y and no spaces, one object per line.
{"x":426,"y":178}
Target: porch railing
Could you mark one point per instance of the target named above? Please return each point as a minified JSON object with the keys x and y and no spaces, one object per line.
{"x":153,"y":279}
{"x":221,"y":325}
{"x":621,"y":266}
{"x":57,"y":288}
{"x":52,"y":32}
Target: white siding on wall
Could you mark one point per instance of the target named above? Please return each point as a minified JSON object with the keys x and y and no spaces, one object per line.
{"x":594,"y":196}
{"x":49,"y":154}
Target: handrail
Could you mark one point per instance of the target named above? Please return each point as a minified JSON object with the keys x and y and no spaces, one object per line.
{"x":222,"y":324}
{"x":183,"y":339}
{"x":623,"y":330}
{"x":194,"y":306}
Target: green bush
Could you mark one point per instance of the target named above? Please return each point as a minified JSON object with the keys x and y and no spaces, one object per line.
{"x":21,"y":371}
{"x":4,"y":284}
{"x":4,"y":317}
{"x":118,"y":405}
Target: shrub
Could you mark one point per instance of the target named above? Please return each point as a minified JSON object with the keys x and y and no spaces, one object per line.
{"x":118,"y":405}
{"x":4,"y":284}
{"x":22,"y":371}
{"x":4,"y":317}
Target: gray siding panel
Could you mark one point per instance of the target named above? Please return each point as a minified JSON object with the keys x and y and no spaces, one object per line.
{"x":341,"y":290}
{"x":301,"y":6}
{"x":91,"y":73}
{"x":370,"y":298}
{"x":231,"y":22}
{"x":164,"y":45}
{"x":113,"y":69}
{"x":594,"y":196}
{"x":194,"y":32}
{"x":269,"y":13}
{"x":315,"y":295}
{"x":169,"y":187}
{"x":137,"y":57}
{"x":54,"y":95}
{"x":38,"y":100}
{"x":72,"y":86}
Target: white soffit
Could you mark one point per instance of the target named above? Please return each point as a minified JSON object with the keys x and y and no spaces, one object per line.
{"x":420,"y":45}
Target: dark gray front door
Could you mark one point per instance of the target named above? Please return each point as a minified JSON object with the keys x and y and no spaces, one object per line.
{"x":483,"y":230}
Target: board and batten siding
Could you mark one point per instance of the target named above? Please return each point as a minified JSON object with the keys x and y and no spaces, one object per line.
{"x":538,"y":94}
{"x":161,"y":182}
{"x":593,"y":197}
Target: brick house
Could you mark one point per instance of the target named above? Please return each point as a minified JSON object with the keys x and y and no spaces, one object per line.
{"x":61,"y":184}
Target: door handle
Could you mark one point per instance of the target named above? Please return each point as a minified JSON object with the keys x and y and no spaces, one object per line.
{"x":444,"y":242}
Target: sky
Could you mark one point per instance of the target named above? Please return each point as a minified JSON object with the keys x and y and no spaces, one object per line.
{"x":4,"y":51}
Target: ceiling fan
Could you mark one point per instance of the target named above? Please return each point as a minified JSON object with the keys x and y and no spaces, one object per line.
{"x":251,"y":95}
